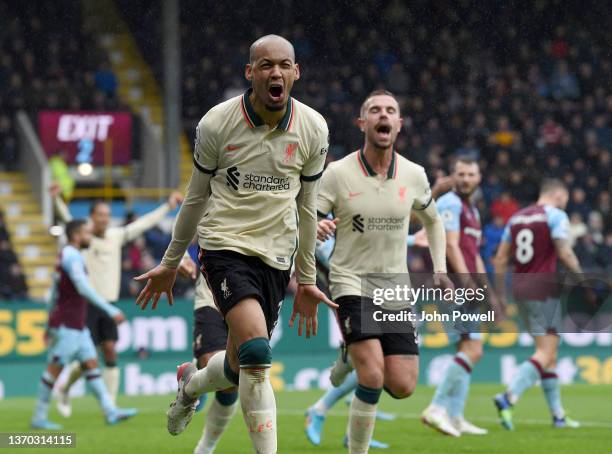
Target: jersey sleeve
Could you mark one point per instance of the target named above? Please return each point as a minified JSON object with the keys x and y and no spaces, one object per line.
{"x":423,"y":196}
{"x":449,"y":208}
{"x":205,"y":154}
{"x":558,"y":223}
{"x":318,"y":148}
{"x":74,"y":265}
{"x":326,"y":199}
{"x":506,"y":236}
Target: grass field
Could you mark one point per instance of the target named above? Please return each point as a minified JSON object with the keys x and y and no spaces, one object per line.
{"x":146,"y":433}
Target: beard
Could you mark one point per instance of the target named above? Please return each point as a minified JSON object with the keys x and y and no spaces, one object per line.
{"x":465,"y":194}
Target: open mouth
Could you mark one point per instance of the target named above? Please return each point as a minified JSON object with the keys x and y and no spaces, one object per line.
{"x":276,"y":92}
{"x":383,"y":130}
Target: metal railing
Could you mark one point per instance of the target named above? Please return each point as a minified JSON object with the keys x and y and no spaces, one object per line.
{"x":33,"y":163}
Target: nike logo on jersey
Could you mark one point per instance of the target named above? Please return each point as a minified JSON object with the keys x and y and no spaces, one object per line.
{"x":354,"y":194}
{"x":231,"y":147}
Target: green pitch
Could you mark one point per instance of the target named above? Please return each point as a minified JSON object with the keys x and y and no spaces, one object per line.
{"x":146,"y":433}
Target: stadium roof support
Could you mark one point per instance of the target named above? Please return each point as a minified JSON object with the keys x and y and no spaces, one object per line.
{"x":172,"y":90}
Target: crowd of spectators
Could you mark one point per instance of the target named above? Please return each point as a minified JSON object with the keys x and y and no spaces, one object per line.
{"x":48,"y":61}
{"x":522,"y":86}
{"x":12,"y":280}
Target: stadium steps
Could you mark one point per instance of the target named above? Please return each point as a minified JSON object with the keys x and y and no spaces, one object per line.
{"x":137,"y":85}
{"x":36,"y":249}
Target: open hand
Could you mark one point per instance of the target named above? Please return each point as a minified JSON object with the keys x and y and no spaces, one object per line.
{"x":159,"y":280}
{"x":305,"y":305}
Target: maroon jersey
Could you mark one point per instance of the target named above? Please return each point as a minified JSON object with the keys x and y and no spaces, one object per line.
{"x":70,"y":308}
{"x":471,"y":234}
{"x":531,"y":232}
{"x":460,"y":215}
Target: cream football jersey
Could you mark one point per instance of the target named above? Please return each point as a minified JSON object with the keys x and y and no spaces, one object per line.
{"x":256,"y":175}
{"x":374,"y":215}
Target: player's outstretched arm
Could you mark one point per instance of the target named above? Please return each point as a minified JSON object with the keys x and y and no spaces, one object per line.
{"x":307,"y":231}
{"x":134,"y":229}
{"x":308,"y":295}
{"x":60,"y":207}
{"x":74,"y":265}
{"x":161,"y":279}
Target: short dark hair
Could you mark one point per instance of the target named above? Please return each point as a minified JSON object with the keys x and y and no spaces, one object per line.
{"x":95,"y":204}
{"x":464,"y":159}
{"x":379,"y":92}
{"x":552,"y":184}
{"x":73,"y":227}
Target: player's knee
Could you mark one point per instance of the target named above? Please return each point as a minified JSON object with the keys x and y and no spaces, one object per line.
{"x":371,"y":377}
{"x":401,"y":389}
{"x":110,"y":357}
{"x":254,"y":353}
{"x":92,"y":374}
{"x":89,"y":364}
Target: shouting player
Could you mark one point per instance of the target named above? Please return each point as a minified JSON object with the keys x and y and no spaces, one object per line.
{"x":69,"y":337}
{"x":315,"y":415}
{"x":372,"y":192}
{"x":257,"y":161}
{"x":463,"y":233}
{"x":535,"y":237}
{"x":103,"y":259}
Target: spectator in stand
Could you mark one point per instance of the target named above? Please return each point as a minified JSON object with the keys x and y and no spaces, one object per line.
{"x":504,"y":136}
{"x":578,"y":203}
{"x":563,"y":83}
{"x":105,"y":79}
{"x":504,"y":207}
{"x":550,"y":133}
{"x":604,"y":254}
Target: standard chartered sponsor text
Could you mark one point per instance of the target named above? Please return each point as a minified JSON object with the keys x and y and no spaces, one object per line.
{"x":385,"y":223}
{"x":257,"y":182}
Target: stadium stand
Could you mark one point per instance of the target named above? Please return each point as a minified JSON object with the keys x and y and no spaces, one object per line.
{"x":529,"y":95}
{"x":12,"y":279}
{"x":47,"y":61}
